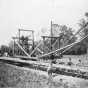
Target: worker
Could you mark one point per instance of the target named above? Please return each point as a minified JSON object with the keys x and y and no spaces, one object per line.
{"x":79,"y":63}
{"x":6,"y":54}
{"x":70,"y":62}
{"x":52,"y":57}
{"x":50,"y":70}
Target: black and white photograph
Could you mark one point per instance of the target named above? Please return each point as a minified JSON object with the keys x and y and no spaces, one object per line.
{"x":43,"y":43}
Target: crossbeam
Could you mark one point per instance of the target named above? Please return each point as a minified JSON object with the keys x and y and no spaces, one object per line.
{"x":50,"y":37}
{"x":36,"y":48}
{"x":25,"y":30}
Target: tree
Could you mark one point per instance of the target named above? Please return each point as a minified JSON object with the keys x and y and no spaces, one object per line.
{"x":65,"y":33}
{"x":4,"y":49}
{"x":84,"y":24}
{"x":24,"y":43}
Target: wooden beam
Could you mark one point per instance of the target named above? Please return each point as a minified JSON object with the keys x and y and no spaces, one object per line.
{"x":26,"y":30}
{"x":20,"y":38}
{"x":49,"y":37}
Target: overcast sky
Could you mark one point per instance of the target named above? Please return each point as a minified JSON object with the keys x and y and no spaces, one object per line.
{"x":37,"y":14}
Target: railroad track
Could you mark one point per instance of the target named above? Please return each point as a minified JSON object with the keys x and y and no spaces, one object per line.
{"x":57,"y":69}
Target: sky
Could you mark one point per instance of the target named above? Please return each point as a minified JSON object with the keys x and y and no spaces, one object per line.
{"x":37,"y":15}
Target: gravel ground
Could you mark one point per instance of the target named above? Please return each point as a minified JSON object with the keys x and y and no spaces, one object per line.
{"x":15,"y":77}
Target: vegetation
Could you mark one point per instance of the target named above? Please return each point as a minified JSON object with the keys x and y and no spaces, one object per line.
{"x":81,"y":48}
{"x":84,"y":24}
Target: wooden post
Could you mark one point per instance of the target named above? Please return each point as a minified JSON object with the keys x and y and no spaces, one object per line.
{"x":43,"y":44}
{"x":51,"y":65}
{"x":51,"y":36}
{"x":87,"y":52}
{"x":32,"y":40}
{"x":13,"y":47}
{"x":19,"y":35}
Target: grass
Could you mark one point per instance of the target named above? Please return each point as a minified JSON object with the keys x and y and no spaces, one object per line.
{"x":18,"y":78}
{"x":14,"y":77}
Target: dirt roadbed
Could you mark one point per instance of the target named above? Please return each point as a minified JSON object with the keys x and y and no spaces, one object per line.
{"x":17,"y":77}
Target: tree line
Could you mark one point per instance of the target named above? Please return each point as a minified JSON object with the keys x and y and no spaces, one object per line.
{"x":65,"y":34}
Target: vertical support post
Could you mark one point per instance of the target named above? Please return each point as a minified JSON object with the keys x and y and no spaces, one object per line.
{"x":51,"y":43}
{"x":87,"y":51}
{"x":33,"y":40}
{"x":51,"y":36}
{"x":59,"y":43}
{"x":19,"y":35}
{"x":13,"y":47}
{"x":43,"y":44}
{"x":50,"y":74}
